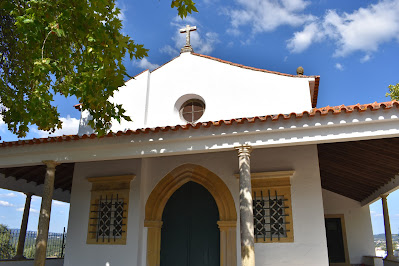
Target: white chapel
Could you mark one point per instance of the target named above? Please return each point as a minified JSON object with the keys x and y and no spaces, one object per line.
{"x":223,"y":164}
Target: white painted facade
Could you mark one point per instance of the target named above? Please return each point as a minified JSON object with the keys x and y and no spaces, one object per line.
{"x":154,"y":98}
{"x":306,"y":200}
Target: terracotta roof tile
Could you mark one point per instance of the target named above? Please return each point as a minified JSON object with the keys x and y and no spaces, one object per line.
{"x":319,"y":111}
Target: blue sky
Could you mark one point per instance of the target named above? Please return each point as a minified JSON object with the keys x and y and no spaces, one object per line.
{"x":353,"y":45}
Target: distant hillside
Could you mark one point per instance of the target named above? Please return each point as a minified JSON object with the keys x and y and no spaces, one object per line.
{"x":395,"y":237}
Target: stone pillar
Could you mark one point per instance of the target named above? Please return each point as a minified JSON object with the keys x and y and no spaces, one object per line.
{"x":246,"y":208}
{"x":387,"y":225}
{"x":24,"y":226}
{"x":154,"y":242}
{"x":45,"y":210}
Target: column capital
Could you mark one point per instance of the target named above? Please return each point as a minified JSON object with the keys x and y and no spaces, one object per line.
{"x":51,"y":163}
{"x":384,"y":196}
{"x":29,"y":194}
{"x":244,"y":150}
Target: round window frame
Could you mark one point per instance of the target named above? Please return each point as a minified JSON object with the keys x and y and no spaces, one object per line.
{"x":202,"y":103}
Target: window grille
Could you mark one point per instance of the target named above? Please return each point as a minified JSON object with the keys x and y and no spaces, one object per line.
{"x":269,"y":216}
{"x":109,"y":219}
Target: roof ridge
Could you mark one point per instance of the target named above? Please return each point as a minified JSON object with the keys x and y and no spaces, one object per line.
{"x":253,"y":68}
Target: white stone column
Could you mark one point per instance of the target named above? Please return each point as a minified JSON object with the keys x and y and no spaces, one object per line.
{"x":24,"y":226}
{"x":387,"y":225}
{"x":45,"y":210}
{"x":246,"y":208}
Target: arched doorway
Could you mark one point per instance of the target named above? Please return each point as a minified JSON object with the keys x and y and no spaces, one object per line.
{"x":190,"y":234}
{"x":221,"y":194}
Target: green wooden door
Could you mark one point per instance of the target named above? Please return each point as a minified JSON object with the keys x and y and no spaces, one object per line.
{"x":335,"y":240}
{"x":190,"y":235}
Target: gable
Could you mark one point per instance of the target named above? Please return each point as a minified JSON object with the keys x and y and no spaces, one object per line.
{"x":227,"y":90}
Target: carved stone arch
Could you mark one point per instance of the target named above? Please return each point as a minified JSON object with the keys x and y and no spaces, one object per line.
{"x":164,"y":190}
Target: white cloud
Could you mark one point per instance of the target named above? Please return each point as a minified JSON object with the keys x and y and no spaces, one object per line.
{"x":6,"y":203}
{"x":145,"y":64}
{"x":267,"y":15}
{"x":303,"y":39}
{"x":202,"y":42}
{"x":339,"y":66}
{"x":365,"y":58}
{"x":59,"y":203}
{"x":31,"y":210}
{"x":70,"y":126}
{"x":364,"y":30}
{"x":3,"y":126}
{"x":375,"y":214}
{"x":123,"y":9}
{"x":167,"y":49}
{"x":8,"y":195}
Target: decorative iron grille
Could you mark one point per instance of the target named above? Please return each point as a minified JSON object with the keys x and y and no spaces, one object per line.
{"x":109,"y":221}
{"x":269,"y":216}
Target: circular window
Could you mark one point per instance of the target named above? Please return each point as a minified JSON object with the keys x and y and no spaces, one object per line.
{"x":192,"y":110}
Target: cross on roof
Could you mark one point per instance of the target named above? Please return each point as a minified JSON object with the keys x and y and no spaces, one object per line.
{"x":187,"y":47}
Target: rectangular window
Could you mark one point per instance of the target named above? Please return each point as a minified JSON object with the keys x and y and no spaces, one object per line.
{"x":272,"y":208}
{"x":109,"y":218}
{"x":109,"y":210}
{"x":269,"y":216}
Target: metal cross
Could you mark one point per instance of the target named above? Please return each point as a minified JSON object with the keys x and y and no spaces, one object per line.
{"x":187,"y":30}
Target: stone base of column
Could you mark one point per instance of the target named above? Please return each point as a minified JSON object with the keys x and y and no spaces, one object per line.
{"x":247,"y":255}
{"x":391,"y":258}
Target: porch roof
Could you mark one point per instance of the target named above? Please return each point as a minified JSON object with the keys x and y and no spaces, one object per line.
{"x":359,"y":169}
{"x":36,"y":174}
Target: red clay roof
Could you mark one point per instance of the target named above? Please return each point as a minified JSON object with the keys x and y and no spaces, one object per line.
{"x":321,"y":111}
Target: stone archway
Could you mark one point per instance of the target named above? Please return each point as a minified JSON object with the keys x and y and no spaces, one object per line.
{"x":164,"y":190}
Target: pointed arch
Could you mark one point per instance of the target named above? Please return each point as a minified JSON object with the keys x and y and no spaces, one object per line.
{"x":164,"y":190}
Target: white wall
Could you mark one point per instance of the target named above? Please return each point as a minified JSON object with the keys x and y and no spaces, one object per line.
{"x":309,"y":247}
{"x":228,"y":91}
{"x":77,"y":252}
{"x":359,"y":232}
{"x":154,"y":99}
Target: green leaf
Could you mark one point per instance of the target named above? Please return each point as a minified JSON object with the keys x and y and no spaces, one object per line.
{"x":28,"y":20}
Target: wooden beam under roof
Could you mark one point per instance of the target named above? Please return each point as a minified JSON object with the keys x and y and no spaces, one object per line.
{"x":35,"y":173}
{"x":356,"y":169}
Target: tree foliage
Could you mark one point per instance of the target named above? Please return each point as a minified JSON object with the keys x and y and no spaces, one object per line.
{"x":393,"y":92}
{"x":7,"y":250}
{"x":67,"y":47}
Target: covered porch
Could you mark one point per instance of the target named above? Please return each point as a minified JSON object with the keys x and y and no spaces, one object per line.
{"x":361,"y":172}
{"x":364,"y":171}
{"x":36,"y":180}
